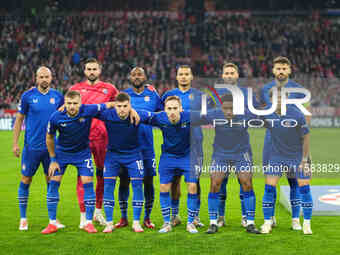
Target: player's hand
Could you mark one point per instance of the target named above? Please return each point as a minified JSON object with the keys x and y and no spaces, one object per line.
{"x":134,"y":117}
{"x":110,"y":105}
{"x":16,"y":150}
{"x":61,"y":108}
{"x":53,"y":167}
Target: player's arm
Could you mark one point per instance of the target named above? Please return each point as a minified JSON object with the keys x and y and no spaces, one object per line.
{"x":16,"y":133}
{"x":51,"y":131}
{"x":134,"y":117}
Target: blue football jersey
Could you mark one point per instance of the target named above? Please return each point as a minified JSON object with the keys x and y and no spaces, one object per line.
{"x":191,"y":101}
{"x":231,"y":141}
{"x":176,"y":137}
{"x":148,"y":100}
{"x":123,"y":136}
{"x":73,"y":131}
{"x":287,"y":142}
{"x":264,"y":94}
{"x":38,"y":108}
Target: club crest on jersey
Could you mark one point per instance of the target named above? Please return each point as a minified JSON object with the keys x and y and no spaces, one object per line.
{"x":184,"y":125}
{"x":52,"y":100}
{"x":81,"y":120}
{"x":191,"y":97}
{"x":105,"y":91}
{"x":35,"y":100}
{"x":63,"y":124}
{"x":146,"y":98}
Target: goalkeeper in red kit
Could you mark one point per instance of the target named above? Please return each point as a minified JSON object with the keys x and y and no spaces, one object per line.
{"x":94,"y":91}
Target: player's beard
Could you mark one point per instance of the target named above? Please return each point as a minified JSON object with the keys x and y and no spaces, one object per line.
{"x":44,"y":86}
{"x":282,"y":78}
{"x":138,"y":86}
{"x":185,"y":85}
{"x":93,"y":78}
{"x":230,"y":81}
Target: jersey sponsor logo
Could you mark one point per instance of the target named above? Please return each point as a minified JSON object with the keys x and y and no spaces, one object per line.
{"x":63,"y":124}
{"x":105,"y":91}
{"x":146,"y":98}
{"x":52,"y":100}
{"x":332,"y":198}
{"x":35,"y":100}
{"x":83,"y":90}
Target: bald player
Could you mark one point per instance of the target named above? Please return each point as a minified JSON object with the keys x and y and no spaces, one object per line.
{"x":36,"y":107}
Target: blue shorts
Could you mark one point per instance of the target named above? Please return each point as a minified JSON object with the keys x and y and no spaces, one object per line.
{"x":82,"y":160}
{"x":117,"y":164}
{"x":290,"y":167}
{"x":172,"y":165}
{"x":227,"y":166}
{"x":31,"y":160}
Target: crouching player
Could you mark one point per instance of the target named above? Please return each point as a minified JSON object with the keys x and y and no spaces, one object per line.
{"x":72,"y":147}
{"x":289,"y":153}
{"x":231,"y":153}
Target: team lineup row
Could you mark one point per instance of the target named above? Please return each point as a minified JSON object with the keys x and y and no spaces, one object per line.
{"x":119,"y":135}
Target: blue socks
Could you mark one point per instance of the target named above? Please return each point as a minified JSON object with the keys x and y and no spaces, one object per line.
{"x":174,"y":207}
{"x":243,"y":207}
{"x":213,"y":204}
{"x":307,"y":202}
{"x":137,"y":198}
{"x":123,"y":200}
{"x":109,"y":202}
{"x":198,"y":206}
{"x":149,"y":194}
{"x":274,"y":203}
{"x":222,"y":197}
{"x":164,"y":198}
{"x":268,"y":202}
{"x":295,"y":199}
{"x":23,"y":193}
{"x":89,"y":200}
{"x":53,"y":199}
{"x":250,"y":204}
{"x":192,"y":207}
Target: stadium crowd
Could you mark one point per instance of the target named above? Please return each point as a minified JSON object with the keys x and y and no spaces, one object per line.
{"x":160,"y":43}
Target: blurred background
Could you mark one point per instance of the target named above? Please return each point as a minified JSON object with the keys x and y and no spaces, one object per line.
{"x":159,"y":35}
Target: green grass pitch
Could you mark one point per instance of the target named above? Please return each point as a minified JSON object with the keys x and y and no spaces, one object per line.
{"x":231,"y":239}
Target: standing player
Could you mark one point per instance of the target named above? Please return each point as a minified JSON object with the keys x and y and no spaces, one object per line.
{"x":72,"y":147}
{"x":94,"y":91}
{"x":289,"y":138}
{"x":230,"y":75}
{"x":282,"y":71}
{"x":36,"y":107}
{"x":143,"y":97}
{"x":123,"y":152}
{"x":190,"y":100}
{"x":231,"y":152}
{"x":175,"y":159}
